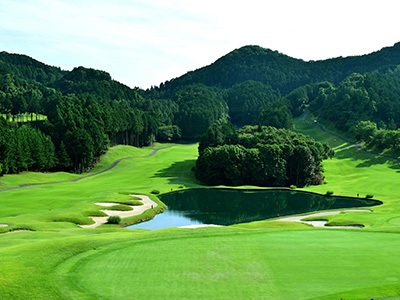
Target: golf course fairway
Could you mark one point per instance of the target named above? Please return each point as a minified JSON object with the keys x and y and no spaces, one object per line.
{"x":54,"y":258}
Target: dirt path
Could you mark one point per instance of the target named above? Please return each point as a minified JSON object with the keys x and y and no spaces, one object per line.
{"x":137,"y":210}
{"x":86,"y":176}
{"x":322,"y":222}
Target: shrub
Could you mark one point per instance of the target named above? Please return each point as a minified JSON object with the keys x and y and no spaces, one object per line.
{"x":293,"y":187}
{"x":329,"y":193}
{"x":113,"y":220}
{"x":369,"y":196}
{"x":155,"y":192}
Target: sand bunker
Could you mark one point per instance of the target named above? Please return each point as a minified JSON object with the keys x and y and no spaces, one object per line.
{"x":321,"y":223}
{"x":137,"y":210}
{"x":200,"y":226}
{"x":12,"y":231}
{"x":17,"y":230}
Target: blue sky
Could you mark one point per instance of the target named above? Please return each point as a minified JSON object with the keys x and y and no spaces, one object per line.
{"x":144,"y":43}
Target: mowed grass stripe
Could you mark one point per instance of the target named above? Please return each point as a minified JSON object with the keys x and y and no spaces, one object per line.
{"x":264,"y":265}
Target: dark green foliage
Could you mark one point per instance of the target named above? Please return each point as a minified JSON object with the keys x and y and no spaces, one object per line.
{"x":368,"y":97}
{"x":199,"y":107}
{"x":248,"y":63}
{"x":245,"y":100}
{"x":382,"y":139}
{"x":169,"y":133}
{"x":329,"y":193}
{"x":365,"y":130}
{"x":113,"y":220}
{"x":24,"y":149}
{"x":369,"y":196}
{"x":218,"y":134}
{"x":81,"y":81}
{"x":301,"y":97}
{"x":282,"y":72}
{"x":263,"y":156}
{"x":155,"y":192}
{"x":28,"y":68}
{"x":276,"y":114}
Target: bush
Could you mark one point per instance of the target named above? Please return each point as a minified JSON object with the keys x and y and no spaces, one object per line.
{"x":293,"y":187}
{"x":329,"y":193}
{"x":155,"y":192}
{"x":113,"y":220}
{"x":369,"y":196}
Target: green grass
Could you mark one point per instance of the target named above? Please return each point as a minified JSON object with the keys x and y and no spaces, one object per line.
{"x":314,"y":131}
{"x":266,"y":259}
{"x":119,"y":207}
{"x":112,"y":155}
{"x":242,"y":265}
{"x":25,"y":117}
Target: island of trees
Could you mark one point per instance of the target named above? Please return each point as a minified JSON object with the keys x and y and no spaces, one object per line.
{"x":259,"y":155}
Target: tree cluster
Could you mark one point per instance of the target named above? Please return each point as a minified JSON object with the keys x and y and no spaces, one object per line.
{"x":24,"y":148}
{"x":259,"y":155}
{"x":361,"y":97}
{"x":382,"y":139}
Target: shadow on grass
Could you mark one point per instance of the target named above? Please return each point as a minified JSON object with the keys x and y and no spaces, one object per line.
{"x":179,"y":172}
{"x":366,"y":159}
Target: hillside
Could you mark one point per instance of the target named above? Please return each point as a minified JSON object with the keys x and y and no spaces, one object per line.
{"x":281,"y":71}
{"x":28,"y":68}
{"x":87,"y":111}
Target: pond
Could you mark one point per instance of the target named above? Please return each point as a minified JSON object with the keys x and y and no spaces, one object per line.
{"x":228,"y":207}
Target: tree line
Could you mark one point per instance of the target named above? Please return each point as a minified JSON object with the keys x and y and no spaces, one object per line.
{"x":383,"y":139}
{"x":86,"y":111}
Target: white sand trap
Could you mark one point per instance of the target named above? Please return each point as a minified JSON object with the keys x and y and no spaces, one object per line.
{"x":321,"y":223}
{"x":3,"y":225}
{"x":14,"y":231}
{"x":200,"y":226}
{"x":137,"y":210}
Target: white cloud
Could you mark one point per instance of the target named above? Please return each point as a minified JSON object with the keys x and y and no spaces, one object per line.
{"x":146,"y":42}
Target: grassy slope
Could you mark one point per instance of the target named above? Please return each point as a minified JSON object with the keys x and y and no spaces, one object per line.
{"x":353,"y":172}
{"x":264,"y":259}
{"x":113,"y":154}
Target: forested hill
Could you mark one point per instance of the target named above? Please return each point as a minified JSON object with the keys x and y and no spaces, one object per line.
{"x":28,"y":68}
{"x":82,"y":81}
{"x":281,"y":71}
{"x":84,"y":111}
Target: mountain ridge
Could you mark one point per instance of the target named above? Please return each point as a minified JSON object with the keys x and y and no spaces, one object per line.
{"x":383,"y":58}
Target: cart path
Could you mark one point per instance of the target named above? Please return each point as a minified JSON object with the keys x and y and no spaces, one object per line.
{"x":86,"y":176}
{"x":350,"y":144}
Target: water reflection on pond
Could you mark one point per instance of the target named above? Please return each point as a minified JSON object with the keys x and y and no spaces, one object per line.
{"x":227,"y":207}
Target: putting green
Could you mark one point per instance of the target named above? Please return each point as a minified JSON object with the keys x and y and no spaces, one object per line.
{"x":299,"y":264}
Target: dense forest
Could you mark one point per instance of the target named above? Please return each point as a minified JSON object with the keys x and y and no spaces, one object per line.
{"x":86,"y":111}
{"x":259,"y":155}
